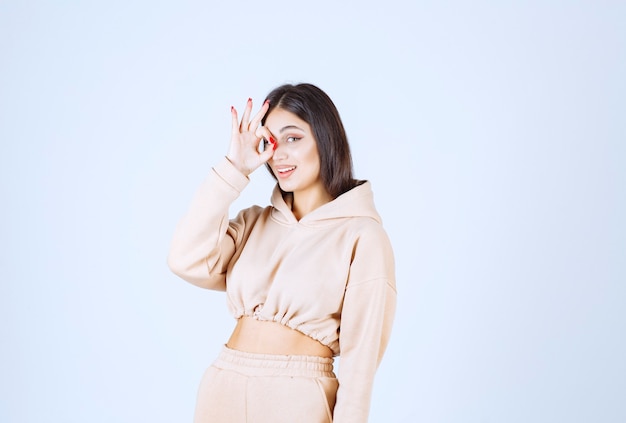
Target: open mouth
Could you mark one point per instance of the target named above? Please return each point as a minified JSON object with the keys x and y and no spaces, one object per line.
{"x":285,"y":171}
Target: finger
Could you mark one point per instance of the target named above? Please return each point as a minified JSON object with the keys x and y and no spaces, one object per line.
{"x":264,"y":156}
{"x":245,"y":119}
{"x":265,"y":134}
{"x":257,"y":118}
{"x":235,"y":121}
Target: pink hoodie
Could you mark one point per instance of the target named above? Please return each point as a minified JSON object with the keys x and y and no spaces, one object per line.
{"x":329,"y":275}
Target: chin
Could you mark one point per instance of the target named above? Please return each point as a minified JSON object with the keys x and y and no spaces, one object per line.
{"x":286,"y":187}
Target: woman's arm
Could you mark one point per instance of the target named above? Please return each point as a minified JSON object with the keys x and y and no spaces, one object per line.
{"x":205,"y":240}
{"x":366,"y":320}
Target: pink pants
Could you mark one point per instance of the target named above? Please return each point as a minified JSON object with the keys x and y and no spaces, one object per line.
{"x":244,"y":387}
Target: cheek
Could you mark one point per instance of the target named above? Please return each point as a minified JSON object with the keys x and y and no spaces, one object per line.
{"x":313,"y":157}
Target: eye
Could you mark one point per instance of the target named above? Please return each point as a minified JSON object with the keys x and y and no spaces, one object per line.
{"x":293,"y":139}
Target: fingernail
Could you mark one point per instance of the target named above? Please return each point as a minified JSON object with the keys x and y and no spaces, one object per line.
{"x":266,"y":102}
{"x":274,"y":145}
{"x":249,"y":99}
{"x":232,"y":108}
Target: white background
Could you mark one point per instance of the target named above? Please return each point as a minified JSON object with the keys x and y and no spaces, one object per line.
{"x":494,"y":136}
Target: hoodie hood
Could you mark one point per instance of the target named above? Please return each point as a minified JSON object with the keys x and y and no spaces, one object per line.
{"x":358,"y":202}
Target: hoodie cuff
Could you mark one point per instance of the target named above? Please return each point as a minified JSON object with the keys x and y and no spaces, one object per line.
{"x":231,"y":175}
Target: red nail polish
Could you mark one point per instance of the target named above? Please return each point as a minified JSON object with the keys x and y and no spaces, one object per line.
{"x":274,"y":144}
{"x":266,"y":102}
{"x":249,"y":99}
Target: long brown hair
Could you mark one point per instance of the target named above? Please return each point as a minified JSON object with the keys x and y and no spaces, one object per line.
{"x":315,"y":107}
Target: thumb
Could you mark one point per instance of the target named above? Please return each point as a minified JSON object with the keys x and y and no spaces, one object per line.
{"x":267,"y":154}
{"x":270,"y":145}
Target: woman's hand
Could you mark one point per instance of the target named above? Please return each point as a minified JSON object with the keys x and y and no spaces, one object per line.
{"x":244,"y":152}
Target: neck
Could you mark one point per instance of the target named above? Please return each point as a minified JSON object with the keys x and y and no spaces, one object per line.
{"x":305,"y":203}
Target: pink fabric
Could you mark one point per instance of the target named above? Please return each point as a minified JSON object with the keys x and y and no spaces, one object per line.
{"x":244,"y":387}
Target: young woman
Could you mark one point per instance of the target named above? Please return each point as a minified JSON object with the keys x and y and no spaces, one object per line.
{"x":308,"y":278}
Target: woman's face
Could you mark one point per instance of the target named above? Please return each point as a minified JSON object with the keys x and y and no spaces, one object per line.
{"x":296,"y":160}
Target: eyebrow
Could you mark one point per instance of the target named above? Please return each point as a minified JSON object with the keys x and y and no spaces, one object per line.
{"x":288,"y":127}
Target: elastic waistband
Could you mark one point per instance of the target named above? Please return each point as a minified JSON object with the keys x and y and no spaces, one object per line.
{"x":253,"y":364}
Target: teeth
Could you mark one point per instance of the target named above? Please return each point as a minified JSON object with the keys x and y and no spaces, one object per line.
{"x":286,"y":170}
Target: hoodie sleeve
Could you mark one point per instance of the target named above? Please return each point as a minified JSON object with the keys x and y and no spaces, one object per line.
{"x":204,"y":240}
{"x":366,"y":320}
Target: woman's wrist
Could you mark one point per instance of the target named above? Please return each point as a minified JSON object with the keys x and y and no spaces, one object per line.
{"x":244,"y":172}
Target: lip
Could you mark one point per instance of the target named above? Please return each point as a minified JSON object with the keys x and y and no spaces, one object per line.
{"x":284,"y":171}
